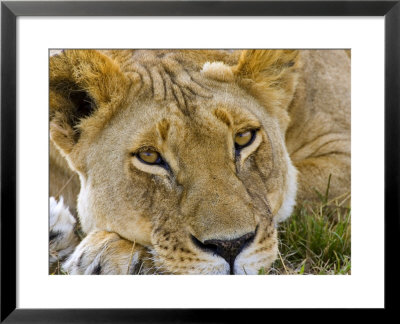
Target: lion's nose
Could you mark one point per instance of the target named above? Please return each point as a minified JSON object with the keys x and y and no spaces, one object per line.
{"x":228,"y":249}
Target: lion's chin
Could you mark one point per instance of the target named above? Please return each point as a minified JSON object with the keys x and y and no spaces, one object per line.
{"x":244,"y":265}
{"x":250,"y":263}
{"x":253,"y":265}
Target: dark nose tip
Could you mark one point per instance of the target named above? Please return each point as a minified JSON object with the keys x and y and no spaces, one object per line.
{"x":228,"y":249}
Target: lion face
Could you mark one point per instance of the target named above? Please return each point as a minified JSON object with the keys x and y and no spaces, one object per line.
{"x":176,"y":154}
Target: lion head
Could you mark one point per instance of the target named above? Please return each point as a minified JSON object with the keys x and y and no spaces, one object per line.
{"x":180,"y":151}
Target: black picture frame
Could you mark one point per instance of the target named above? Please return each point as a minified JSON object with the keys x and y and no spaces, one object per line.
{"x":11,"y":10}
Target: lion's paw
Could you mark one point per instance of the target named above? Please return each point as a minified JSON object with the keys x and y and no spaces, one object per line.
{"x":103,"y":252}
{"x":62,"y":238}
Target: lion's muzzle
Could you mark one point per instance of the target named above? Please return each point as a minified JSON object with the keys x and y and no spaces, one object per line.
{"x":227,"y":249}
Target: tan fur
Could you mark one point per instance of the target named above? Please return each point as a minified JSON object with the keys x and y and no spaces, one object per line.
{"x":188,"y":105}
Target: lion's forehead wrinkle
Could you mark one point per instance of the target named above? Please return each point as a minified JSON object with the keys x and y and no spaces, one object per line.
{"x":165,"y":78}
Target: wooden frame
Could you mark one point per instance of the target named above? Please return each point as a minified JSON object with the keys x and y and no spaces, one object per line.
{"x":9,"y":13}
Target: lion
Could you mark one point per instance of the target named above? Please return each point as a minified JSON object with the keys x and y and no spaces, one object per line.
{"x":186,"y":161}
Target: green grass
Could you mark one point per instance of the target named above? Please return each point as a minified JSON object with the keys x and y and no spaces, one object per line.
{"x":316,"y":239}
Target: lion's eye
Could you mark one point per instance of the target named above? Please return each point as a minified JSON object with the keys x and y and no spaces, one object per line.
{"x":150,"y":157}
{"x":244,"y":139}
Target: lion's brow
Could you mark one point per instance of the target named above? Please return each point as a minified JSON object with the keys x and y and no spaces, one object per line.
{"x":163,"y":128}
{"x":223,"y":116}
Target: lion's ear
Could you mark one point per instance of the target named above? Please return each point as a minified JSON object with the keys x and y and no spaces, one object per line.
{"x":81,"y":81}
{"x":270,"y":75}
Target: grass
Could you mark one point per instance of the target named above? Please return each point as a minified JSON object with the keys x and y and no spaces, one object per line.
{"x":56,"y":269}
{"x":316,"y":239}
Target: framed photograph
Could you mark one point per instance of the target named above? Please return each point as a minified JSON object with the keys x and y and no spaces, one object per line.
{"x":307,"y":90}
